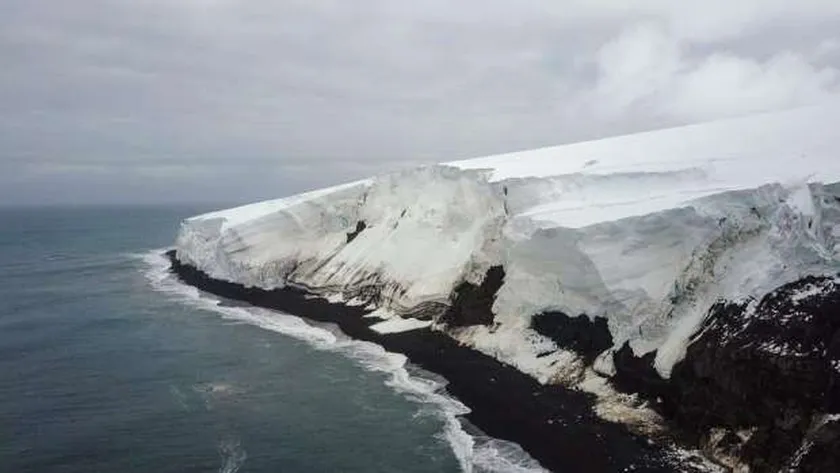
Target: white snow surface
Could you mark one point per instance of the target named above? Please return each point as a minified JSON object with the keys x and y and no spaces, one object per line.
{"x":398,"y":324}
{"x":610,"y":179}
{"x":646,"y":230}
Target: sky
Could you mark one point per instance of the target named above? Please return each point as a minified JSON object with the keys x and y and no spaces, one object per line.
{"x":156,"y":101}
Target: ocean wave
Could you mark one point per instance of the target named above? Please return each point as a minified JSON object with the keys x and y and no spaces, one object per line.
{"x":475,"y":453}
{"x":232,"y":454}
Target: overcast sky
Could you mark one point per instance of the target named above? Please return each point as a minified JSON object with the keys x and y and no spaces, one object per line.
{"x":233,"y":100}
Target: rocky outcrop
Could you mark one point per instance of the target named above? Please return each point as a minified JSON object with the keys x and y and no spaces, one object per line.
{"x":760,"y":383}
{"x":360,"y":226}
{"x":472,"y":304}
{"x":582,"y":335}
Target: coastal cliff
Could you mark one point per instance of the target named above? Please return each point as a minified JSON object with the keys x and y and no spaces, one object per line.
{"x":681,"y":285}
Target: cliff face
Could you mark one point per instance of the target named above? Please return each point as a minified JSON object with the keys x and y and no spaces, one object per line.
{"x":692,"y":266}
{"x":759,"y":384}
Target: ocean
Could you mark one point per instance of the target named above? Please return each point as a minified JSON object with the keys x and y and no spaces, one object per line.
{"x":109,"y":364}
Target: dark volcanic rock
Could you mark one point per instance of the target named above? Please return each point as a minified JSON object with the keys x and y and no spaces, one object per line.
{"x":769,"y":369}
{"x":756,"y":381}
{"x":588,"y":338}
{"x":471,"y":304}
{"x":819,"y":450}
{"x":637,"y":375}
{"x":360,"y":226}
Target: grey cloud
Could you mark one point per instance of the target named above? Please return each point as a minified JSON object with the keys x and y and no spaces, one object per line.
{"x":158,"y":100}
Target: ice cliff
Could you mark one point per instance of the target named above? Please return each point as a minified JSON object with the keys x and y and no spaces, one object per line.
{"x":633,"y":257}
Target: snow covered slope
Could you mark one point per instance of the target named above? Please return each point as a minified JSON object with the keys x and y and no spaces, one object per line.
{"x":402,"y":239}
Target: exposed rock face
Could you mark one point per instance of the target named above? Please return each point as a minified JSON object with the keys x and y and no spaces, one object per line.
{"x":760,"y":384}
{"x":472,"y":304}
{"x":637,"y":375}
{"x":819,"y":449}
{"x":360,"y":226}
{"x":582,"y":335}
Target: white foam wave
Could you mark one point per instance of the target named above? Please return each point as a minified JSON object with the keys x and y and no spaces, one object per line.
{"x":478,"y":454}
{"x":497,"y":456}
{"x":233,"y":455}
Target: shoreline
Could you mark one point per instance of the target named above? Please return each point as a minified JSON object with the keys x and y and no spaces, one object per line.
{"x":555,"y":425}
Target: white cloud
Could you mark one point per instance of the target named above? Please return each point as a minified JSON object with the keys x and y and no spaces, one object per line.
{"x":635,"y":68}
{"x":724,"y":84}
{"x":646,"y":71}
{"x":352,"y":88}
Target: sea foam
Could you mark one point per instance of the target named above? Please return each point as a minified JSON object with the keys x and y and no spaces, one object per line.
{"x":476,"y":453}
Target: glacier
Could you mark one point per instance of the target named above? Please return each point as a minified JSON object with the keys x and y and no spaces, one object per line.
{"x":647,"y":233}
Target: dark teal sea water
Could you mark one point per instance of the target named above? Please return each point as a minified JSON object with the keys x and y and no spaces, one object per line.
{"x":108,"y":365}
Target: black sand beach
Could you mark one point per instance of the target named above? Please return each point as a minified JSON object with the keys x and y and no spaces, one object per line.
{"x":553,"y":424}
